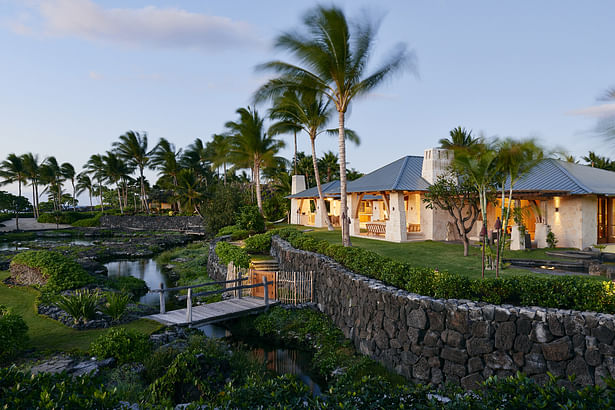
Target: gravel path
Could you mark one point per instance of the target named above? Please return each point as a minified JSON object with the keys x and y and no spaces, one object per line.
{"x":28,"y":224}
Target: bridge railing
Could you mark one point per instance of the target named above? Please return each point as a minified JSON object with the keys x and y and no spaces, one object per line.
{"x":265,"y":284}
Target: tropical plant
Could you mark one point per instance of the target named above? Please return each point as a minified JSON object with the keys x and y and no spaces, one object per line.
{"x":96,"y":167}
{"x":251,"y":145}
{"x":13,"y":170}
{"x":81,"y":305}
{"x":116,"y":304}
{"x":116,"y":172}
{"x":333,"y":56}
{"x":51,"y":175}
{"x":330,"y":164}
{"x":598,"y":161}
{"x":125,"y":345}
{"x":459,"y":138}
{"x":68,"y":173}
{"x":13,"y":333}
{"x":132,"y":147}
{"x":166,"y":159}
{"x":219,"y":149}
{"x":551,"y":239}
{"x":189,"y":192}
{"x":84,"y":183}
{"x":33,"y":172}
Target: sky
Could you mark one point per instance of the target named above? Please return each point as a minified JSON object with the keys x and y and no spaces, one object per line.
{"x":77,"y":74}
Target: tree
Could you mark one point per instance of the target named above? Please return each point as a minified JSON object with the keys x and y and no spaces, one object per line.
{"x":250,"y":144}
{"x":598,"y":161}
{"x":478,"y":165}
{"x":310,"y":113}
{"x":84,"y":183}
{"x":96,"y":167}
{"x":33,"y":173}
{"x":189,"y":192}
{"x":459,"y":138}
{"x":329,"y":162}
{"x":166,"y":159}
{"x":333,"y":57}
{"x":51,"y":174}
{"x":460,"y":199}
{"x":116,"y":171}
{"x":219,"y":150}
{"x":132,"y":147}
{"x":197,"y":158}
{"x":13,"y":170}
{"x":68,"y":173}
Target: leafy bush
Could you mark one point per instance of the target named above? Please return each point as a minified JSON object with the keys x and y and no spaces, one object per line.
{"x":282,"y":392}
{"x":260,"y":243}
{"x":228,"y":230}
{"x":116,"y":304}
{"x":232,"y":253}
{"x":551,"y":239}
{"x":129,"y":284}
{"x":81,"y":305}
{"x":564,"y":292}
{"x":89,"y":222}
{"x":125,"y":345}
{"x":251,"y":219}
{"x":13,"y":333}
{"x":221,"y":206}
{"x":157,"y":364}
{"x":61,"y":272}
{"x":53,"y":391}
{"x":66,"y":217}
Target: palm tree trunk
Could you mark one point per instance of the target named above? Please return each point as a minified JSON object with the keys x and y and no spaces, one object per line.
{"x":17,"y":207}
{"x":90,"y":193}
{"x":34,"y":202}
{"x":102,"y":207}
{"x":119,"y":198}
{"x":321,"y":198}
{"x":36,"y":198}
{"x":224,"y":168}
{"x":179,"y":205}
{"x":143,"y":194}
{"x":295,"y":157}
{"x":74,"y":195}
{"x":345,"y":221}
{"x":257,"y":183}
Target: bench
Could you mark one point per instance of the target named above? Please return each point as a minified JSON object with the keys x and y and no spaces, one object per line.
{"x":414,"y":227}
{"x":376,"y":229}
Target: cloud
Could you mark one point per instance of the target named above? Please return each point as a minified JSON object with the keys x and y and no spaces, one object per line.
{"x":596,"y":111}
{"x":148,"y":26}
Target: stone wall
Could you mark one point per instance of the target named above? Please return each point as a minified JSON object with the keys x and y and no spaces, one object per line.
{"x":215,"y":269}
{"x":435,"y":341}
{"x":154,"y":222}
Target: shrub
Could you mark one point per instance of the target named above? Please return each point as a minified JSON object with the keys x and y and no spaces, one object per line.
{"x":551,"y":239}
{"x":13,"y":334}
{"x":157,"y":364}
{"x":231,"y":253}
{"x":251,"y":219}
{"x":222,"y":205}
{"x":228,"y":230}
{"x":61,"y":272}
{"x":260,"y":243}
{"x":81,"y":305}
{"x":88,"y":222}
{"x":126,"y":346}
{"x":116,"y":304}
{"x":129,"y":284}
{"x":66,"y":217}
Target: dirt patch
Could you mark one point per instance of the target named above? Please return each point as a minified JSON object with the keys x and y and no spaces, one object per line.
{"x":25,"y":275}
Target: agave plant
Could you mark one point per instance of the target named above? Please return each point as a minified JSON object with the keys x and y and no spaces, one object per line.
{"x":116,"y":304}
{"x":81,"y":305}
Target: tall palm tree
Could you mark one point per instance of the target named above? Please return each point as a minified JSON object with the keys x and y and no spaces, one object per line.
{"x":116,"y":171}
{"x":132,"y":147}
{"x":189,"y":191}
{"x":197,"y":158}
{"x":166,"y":159}
{"x":332,"y":59}
{"x":68,"y":172}
{"x":13,"y":170}
{"x":96,"y":167}
{"x":84,"y":183}
{"x":251,"y":144}
{"x":219,"y":149}
{"x":311,"y":113}
{"x":51,"y":174}
{"x":33,"y":172}
{"x":329,"y":162}
{"x":459,"y":138}
{"x":598,"y":161}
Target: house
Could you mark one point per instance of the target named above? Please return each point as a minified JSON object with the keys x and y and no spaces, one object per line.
{"x":574,"y":201}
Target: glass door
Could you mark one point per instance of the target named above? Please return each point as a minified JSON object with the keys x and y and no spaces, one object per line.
{"x":603,"y":224}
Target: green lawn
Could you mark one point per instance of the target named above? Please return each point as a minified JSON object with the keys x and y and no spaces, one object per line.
{"x":439,"y":255}
{"x":47,"y":334}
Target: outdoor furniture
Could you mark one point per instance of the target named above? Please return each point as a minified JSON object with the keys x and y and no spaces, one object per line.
{"x":414,"y":227}
{"x":376,"y":228}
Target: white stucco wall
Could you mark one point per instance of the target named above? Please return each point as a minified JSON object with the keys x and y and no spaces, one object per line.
{"x":575,"y":225}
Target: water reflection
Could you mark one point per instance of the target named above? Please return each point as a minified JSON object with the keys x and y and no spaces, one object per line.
{"x":147,"y":270}
{"x":12,"y":246}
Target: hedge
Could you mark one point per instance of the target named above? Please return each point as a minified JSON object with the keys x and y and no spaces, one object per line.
{"x":66,"y":217}
{"x":563,"y":292}
{"x":13,"y":333}
{"x":232,"y":253}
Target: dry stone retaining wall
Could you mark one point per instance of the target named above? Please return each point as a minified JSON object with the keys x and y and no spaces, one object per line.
{"x":436,"y":341}
{"x":153,"y":222}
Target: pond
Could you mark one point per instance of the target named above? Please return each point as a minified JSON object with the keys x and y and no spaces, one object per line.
{"x":148,"y":270}
{"x":278,"y":359}
{"x":43,"y":243}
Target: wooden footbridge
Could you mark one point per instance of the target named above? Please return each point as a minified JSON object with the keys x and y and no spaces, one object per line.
{"x":214,"y":312}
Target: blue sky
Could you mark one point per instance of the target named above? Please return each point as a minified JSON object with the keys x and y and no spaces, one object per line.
{"x":76,"y":74}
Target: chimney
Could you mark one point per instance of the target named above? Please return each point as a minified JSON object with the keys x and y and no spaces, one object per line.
{"x":436,"y":162}
{"x":298,"y":184}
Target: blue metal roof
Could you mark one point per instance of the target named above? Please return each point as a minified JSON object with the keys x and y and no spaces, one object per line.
{"x":401,"y":175}
{"x":328,"y":189}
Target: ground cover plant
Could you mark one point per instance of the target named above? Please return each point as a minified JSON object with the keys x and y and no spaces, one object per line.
{"x":13,"y":334}
{"x":565,"y":292}
{"x":124,"y":345}
{"x":228,"y":252}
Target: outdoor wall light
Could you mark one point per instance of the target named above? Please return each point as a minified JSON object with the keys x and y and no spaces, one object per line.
{"x":556,"y":209}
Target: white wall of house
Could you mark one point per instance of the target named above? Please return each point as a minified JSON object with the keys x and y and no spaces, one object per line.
{"x":297,"y":185}
{"x":413,"y":215}
{"x":575,"y":224}
{"x":433,"y":222}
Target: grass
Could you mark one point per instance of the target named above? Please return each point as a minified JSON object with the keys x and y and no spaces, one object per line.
{"x":439,"y":255}
{"x":47,"y":334}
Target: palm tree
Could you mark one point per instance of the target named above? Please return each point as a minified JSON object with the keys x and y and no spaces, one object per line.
{"x":116,"y":171}
{"x":166,"y":159}
{"x":329,"y":162}
{"x":132,"y":147}
{"x":478,"y":165}
{"x":459,"y":138}
{"x":84,"y":182}
{"x":333,"y":61}
{"x":251,"y":145}
{"x":13,"y":170}
{"x":32,"y":168}
{"x":68,"y":172}
{"x":51,"y":174}
{"x":96,"y":167}
{"x":219,"y":149}
{"x":189,"y":191}
{"x":196,"y":157}
{"x":598,"y":161}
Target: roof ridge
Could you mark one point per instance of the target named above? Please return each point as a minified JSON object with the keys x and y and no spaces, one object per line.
{"x":401,"y":172}
{"x":569,"y":175}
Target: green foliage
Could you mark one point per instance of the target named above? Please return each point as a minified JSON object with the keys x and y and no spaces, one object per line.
{"x":116,"y":304}
{"x":563,"y":292}
{"x":232,"y":253}
{"x":260,"y":243}
{"x":89,"y":222}
{"x":61,"y":272}
{"x":129,"y":284}
{"x":282,"y":392}
{"x":125,"y":345}
{"x":157,"y":364}
{"x":551,"y":239}
{"x":222,"y":205}
{"x":13,"y":334}
{"x":275,"y":206}
{"x":53,"y":391}
{"x":66,"y":217}
{"x":228,"y":230}
{"x":81,"y":305}
{"x":250,"y":219}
